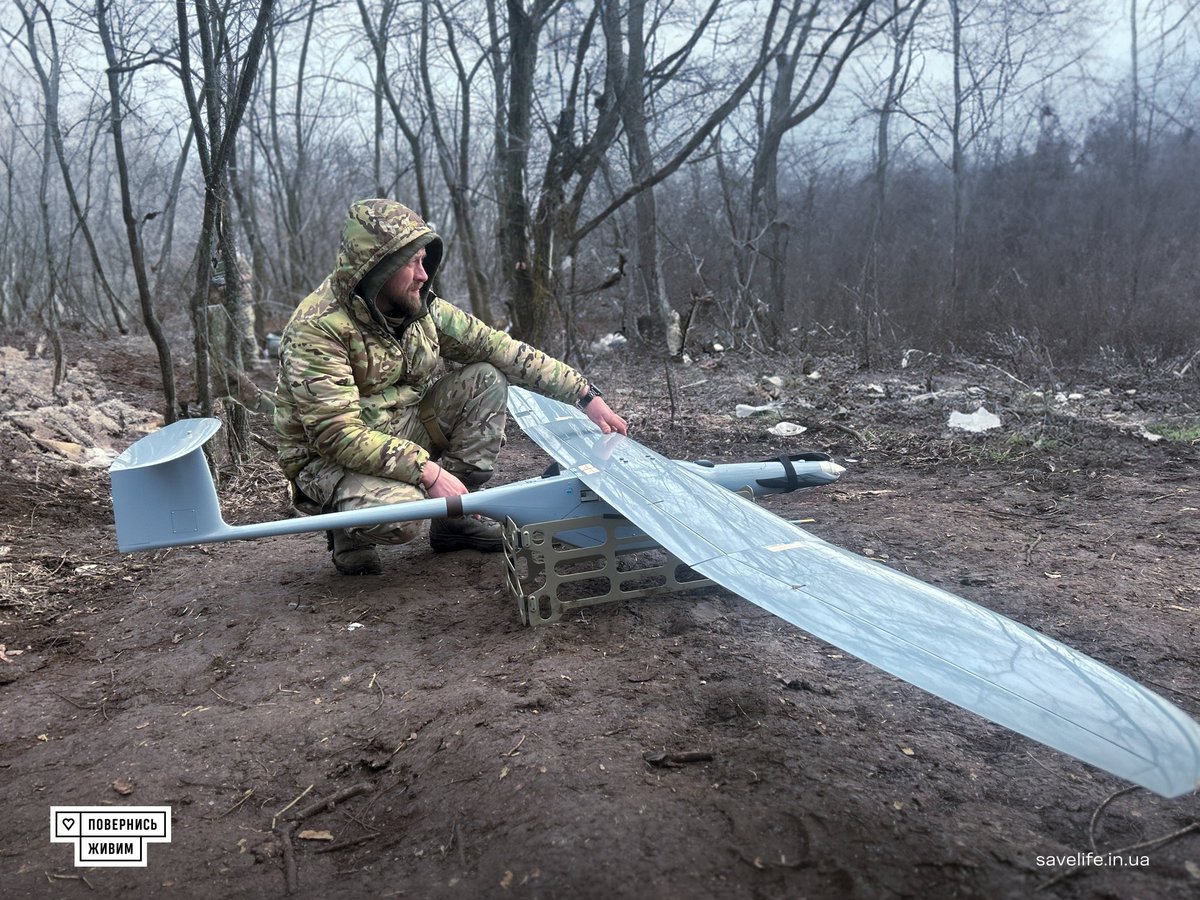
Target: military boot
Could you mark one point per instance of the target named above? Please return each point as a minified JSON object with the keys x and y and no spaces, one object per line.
{"x":353,"y":555}
{"x":466,"y":533}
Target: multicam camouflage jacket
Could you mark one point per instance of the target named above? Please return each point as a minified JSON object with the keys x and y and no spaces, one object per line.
{"x":345,"y":374}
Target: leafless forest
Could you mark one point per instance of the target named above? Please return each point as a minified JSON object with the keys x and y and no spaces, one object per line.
{"x":1018,"y":175}
{"x":865,"y":217}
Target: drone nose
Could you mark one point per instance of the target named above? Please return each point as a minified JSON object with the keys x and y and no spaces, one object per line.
{"x":832,"y":469}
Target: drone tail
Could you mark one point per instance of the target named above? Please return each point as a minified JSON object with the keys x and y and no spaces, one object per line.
{"x":163,"y":496}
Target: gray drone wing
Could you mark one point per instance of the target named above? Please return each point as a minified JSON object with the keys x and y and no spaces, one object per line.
{"x":971,"y":656}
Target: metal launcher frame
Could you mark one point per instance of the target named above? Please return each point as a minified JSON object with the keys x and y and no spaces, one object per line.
{"x":550,"y":577}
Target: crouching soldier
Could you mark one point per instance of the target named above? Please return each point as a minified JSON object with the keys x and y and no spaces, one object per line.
{"x":363,"y":417}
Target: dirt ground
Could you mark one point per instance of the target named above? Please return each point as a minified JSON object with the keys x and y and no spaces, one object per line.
{"x":687,"y":747}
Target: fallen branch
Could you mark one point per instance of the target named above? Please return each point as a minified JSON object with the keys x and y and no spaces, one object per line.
{"x":54,"y":876}
{"x":246,"y":795}
{"x":845,"y":429}
{"x":323,"y":805}
{"x":288,"y":829}
{"x":301,"y":796}
{"x":290,"y":876}
{"x":353,"y":842}
{"x":1100,"y":811}
{"x":375,"y":683}
{"x":675,"y":760}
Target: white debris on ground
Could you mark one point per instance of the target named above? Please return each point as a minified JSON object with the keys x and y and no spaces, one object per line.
{"x":745,"y":410}
{"x":771,"y":385}
{"x":980,"y":420}
{"x":786,"y":429}
{"x":83,"y":424}
{"x":612,"y":341}
{"x":1149,"y":436}
{"x":1125,"y":409}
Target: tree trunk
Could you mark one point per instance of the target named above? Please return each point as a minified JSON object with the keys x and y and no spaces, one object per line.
{"x":1137,"y":187}
{"x":790,"y":105}
{"x":455,"y":163}
{"x":648,"y":286}
{"x":768,"y":231}
{"x":149,"y":317}
{"x":956,"y":164}
{"x":378,"y":37}
{"x":243,"y":197}
{"x":878,"y":232}
{"x":530,"y":297}
{"x":49,"y":81}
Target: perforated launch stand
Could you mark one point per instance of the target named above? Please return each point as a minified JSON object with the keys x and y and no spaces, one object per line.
{"x":550,"y":575}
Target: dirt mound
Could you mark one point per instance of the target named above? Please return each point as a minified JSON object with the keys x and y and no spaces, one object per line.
{"x":84,"y":422}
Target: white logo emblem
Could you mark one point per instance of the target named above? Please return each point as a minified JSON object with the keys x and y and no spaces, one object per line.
{"x":110,"y":835}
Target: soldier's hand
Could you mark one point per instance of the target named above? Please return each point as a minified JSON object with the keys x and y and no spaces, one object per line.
{"x":440,"y":483}
{"x":601,"y":413}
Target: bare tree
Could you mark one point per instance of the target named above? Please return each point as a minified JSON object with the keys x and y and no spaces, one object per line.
{"x":994,"y":45}
{"x":1158,"y":31}
{"x":454,"y":151}
{"x":20,"y":246}
{"x":903,"y":22}
{"x":563,"y":126}
{"x":229,"y":63}
{"x":49,"y":75}
{"x":8,"y":252}
{"x":290,"y":162}
{"x":534,"y":245}
{"x":649,"y":300}
{"x":530,"y":301}
{"x":804,"y":79}
{"x":380,"y":36}
{"x":136,"y":252}
{"x":49,"y":307}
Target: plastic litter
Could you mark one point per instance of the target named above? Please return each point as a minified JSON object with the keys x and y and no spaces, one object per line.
{"x":980,"y":420}
{"x":786,"y":429}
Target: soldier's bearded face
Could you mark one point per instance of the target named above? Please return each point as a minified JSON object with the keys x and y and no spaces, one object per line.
{"x":401,"y":294}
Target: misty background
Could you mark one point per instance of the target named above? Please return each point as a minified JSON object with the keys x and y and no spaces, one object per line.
{"x":1011,"y":177}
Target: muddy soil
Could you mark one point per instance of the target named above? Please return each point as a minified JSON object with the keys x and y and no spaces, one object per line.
{"x":407,"y":736}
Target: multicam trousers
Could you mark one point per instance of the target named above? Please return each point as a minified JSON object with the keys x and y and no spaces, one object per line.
{"x":465,"y":410}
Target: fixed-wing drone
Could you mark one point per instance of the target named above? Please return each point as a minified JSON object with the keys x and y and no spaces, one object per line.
{"x":163,"y":496}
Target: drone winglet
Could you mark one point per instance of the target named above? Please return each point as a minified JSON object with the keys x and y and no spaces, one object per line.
{"x":971,"y":656}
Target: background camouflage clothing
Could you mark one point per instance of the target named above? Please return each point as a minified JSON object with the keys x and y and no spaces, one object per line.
{"x":350,"y":382}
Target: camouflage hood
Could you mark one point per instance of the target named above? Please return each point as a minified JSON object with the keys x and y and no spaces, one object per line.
{"x":374,"y":231}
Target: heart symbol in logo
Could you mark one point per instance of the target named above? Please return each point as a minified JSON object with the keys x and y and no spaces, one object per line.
{"x":68,"y":823}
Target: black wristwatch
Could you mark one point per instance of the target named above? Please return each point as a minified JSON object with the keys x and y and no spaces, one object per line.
{"x":592,"y":393}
